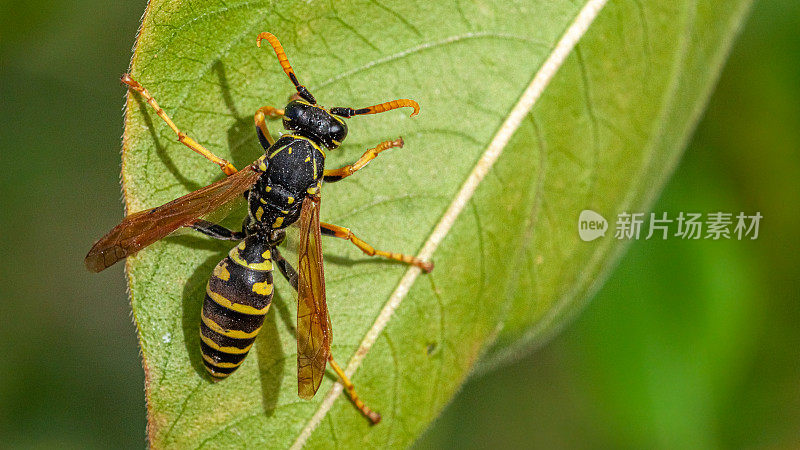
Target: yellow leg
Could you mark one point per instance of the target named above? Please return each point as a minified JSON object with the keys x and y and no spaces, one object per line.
{"x":134,"y":85}
{"x":345,"y":233}
{"x":345,"y":171}
{"x":261,"y":120}
{"x":373,"y":416}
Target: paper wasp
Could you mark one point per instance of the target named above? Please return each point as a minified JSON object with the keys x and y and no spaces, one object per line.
{"x":281,"y":187}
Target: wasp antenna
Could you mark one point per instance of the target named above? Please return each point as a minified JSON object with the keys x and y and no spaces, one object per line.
{"x":285,"y":65}
{"x":375,"y":109}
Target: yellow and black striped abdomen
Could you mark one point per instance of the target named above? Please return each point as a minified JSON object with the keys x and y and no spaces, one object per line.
{"x":238,"y":296}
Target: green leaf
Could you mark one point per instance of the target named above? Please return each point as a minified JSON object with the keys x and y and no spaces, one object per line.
{"x":605,"y":134}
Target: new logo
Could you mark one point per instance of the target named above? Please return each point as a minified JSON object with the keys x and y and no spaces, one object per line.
{"x":591,"y":225}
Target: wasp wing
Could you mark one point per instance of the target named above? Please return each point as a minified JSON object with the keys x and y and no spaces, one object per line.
{"x":140,"y":229}
{"x":313,"y":324}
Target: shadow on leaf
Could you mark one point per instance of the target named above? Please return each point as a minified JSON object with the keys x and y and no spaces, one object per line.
{"x":193,"y":295}
{"x":242,"y":140}
{"x":144,"y":110}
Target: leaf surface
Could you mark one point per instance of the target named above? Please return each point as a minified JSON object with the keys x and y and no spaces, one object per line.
{"x":510,"y":271}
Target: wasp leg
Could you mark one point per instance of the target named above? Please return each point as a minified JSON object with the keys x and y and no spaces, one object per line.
{"x":291,"y":275}
{"x":345,"y":233}
{"x":331,"y":176}
{"x":261,"y":124}
{"x":286,"y":269}
{"x":134,"y":85}
{"x":217,"y":231}
{"x":373,"y":416}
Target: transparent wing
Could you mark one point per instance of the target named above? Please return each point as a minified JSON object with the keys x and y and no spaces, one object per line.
{"x":140,"y":229}
{"x":313,"y":324}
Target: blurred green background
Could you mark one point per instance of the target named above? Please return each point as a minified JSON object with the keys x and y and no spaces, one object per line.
{"x":689,"y":344}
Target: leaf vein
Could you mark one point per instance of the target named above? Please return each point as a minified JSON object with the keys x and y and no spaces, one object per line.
{"x":422,"y":47}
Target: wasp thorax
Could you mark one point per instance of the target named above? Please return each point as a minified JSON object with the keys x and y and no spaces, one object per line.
{"x":314,"y":122}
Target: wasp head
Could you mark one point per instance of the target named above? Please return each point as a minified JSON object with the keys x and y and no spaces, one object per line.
{"x":314,"y":122}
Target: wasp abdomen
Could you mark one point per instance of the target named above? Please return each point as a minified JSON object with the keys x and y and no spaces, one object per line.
{"x":238,"y":296}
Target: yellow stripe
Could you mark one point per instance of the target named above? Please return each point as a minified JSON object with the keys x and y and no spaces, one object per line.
{"x":221,"y":271}
{"x":265,"y":289}
{"x":315,"y":189}
{"x":221,"y":365}
{"x":313,"y":144}
{"x":280,"y":149}
{"x":237,"y":334}
{"x":238,"y":307}
{"x":315,"y":167}
{"x":215,"y":374}
{"x":262,"y":266}
{"x":230,"y":350}
{"x":278,"y":223}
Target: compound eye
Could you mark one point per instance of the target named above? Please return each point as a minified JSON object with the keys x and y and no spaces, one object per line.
{"x":337,"y":132}
{"x":293,"y":111}
{"x":295,"y":116}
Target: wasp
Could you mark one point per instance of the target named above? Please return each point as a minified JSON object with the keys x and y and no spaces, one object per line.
{"x":282,"y":187}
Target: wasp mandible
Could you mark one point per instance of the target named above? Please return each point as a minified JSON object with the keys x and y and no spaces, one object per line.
{"x":281,"y":187}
